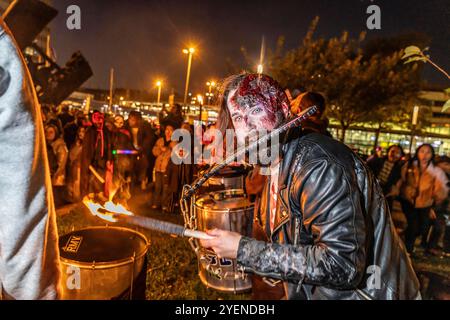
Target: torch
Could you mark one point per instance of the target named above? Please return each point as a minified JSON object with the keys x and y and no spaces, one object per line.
{"x":116,"y":212}
{"x":162,"y":226}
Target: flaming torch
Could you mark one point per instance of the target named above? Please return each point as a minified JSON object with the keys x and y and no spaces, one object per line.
{"x":117,"y":213}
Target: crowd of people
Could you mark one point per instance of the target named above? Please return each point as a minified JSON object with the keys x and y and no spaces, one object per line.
{"x":421,"y":185}
{"x":108,"y":156}
{"x":101,"y":154}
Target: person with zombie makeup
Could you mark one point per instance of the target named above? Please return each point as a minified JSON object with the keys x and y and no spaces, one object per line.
{"x":330,"y":234}
{"x":96,"y":152}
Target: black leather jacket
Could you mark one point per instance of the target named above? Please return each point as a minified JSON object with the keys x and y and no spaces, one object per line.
{"x":333,"y":236}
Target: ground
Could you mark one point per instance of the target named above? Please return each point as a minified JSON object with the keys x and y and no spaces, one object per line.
{"x":172,"y":271}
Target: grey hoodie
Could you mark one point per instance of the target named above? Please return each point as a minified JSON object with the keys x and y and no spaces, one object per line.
{"x":29,"y":257}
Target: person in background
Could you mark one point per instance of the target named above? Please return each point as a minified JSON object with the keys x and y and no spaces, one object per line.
{"x":181,"y":172}
{"x":317,"y":122}
{"x":422,"y":186}
{"x":162,"y":151}
{"x":57,"y":156}
{"x":29,"y":256}
{"x":71,"y":129}
{"x":96,"y":157}
{"x":388,"y":171}
{"x":436,"y":241}
{"x":174,"y":117}
{"x":143,"y":139}
{"x":64,"y":116}
{"x":123,"y":163}
{"x":378,"y":154}
{"x":119,"y":121}
{"x":74,"y":167}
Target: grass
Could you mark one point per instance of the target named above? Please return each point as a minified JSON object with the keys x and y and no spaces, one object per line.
{"x":172,"y":271}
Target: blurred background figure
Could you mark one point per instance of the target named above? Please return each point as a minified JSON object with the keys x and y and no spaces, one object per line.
{"x":174,"y":117}
{"x":71,"y":129}
{"x":57,"y":159}
{"x":96,"y":156}
{"x":143,"y":139}
{"x":423,"y":186}
{"x":74,"y":167}
{"x":436,"y":243}
{"x":162,"y":151}
{"x":387,"y":169}
{"x":317,"y":122}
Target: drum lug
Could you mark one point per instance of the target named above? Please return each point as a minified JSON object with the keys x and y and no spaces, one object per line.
{"x":241,"y":271}
{"x":271,"y":282}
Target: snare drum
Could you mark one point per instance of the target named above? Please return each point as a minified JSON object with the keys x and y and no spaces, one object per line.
{"x":231,"y":177}
{"x":101,"y":262}
{"x":227,"y":210}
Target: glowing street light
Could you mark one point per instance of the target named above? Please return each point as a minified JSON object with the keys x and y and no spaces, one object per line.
{"x":159,"y":85}
{"x":210,"y":85}
{"x":200,"y":101}
{"x":189,"y":52}
{"x":260,"y":69}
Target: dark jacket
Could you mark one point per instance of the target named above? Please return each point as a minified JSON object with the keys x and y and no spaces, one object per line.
{"x":332,"y":229}
{"x":376,"y":165}
{"x":91,"y":155}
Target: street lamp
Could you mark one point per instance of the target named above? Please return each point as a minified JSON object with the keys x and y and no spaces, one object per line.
{"x":414,"y":122}
{"x":159,"y":85}
{"x":200,"y":101}
{"x":210,"y":85}
{"x":189,"y":52}
{"x":260,"y":69}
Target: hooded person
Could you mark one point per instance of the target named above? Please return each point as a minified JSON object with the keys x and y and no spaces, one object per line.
{"x":329,"y":234}
{"x":96,"y":156}
{"x":29,"y":256}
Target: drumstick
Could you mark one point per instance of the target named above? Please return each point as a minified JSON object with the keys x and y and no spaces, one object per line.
{"x":163,"y":226}
{"x":96,"y":174}
{"x":189,"y":190}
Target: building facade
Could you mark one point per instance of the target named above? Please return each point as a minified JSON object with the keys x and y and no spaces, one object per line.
{"x":435,"y":130}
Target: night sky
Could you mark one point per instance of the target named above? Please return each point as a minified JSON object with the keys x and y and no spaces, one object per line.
{"x":143,"y":39}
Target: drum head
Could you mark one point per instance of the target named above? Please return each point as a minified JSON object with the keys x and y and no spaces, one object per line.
{"x":102,"y":245}
{"x":227,"y":200}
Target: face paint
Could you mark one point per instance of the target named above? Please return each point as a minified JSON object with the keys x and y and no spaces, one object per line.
{"x":98,"y":119}
{"x":118,"y":122}
{"x":258,"y":103}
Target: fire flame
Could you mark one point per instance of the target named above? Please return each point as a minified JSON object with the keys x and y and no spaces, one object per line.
{"x":106,"y":211}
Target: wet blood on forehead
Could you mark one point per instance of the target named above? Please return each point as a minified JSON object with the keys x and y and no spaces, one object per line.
{"x":259,"y":90}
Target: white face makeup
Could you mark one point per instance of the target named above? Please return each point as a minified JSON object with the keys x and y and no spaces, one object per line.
{"x":118,"y":122}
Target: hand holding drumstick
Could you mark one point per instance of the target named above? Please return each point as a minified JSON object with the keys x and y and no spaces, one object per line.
{"x":225,"y":243}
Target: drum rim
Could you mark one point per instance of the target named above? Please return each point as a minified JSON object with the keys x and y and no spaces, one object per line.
{"x":226,"y":210}
{"x":111,"y":264}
